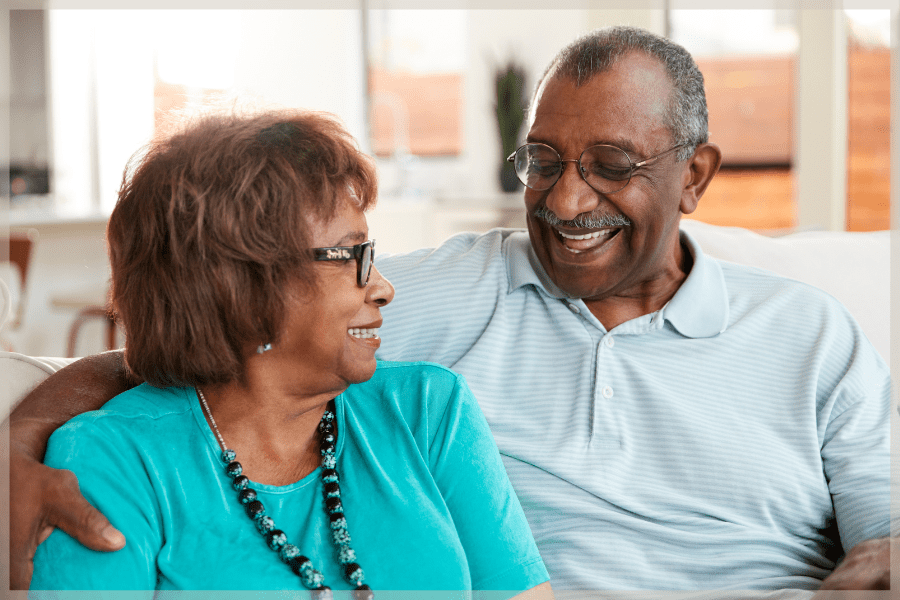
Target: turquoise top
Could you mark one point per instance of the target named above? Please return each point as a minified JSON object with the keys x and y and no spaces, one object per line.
{"x":427,"y":501}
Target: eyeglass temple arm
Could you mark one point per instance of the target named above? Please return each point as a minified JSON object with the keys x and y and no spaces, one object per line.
{"x":660,"y":155}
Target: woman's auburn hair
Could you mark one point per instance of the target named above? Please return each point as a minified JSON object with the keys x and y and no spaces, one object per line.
{"x":211,"y":225}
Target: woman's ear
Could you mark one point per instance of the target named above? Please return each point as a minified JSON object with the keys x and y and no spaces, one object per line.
{"x":701,"y":168}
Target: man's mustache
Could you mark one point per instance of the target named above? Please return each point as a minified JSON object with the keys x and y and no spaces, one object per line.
{"x":584,"y":221}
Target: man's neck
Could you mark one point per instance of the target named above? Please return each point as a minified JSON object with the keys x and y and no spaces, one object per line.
{"x":645,"y":298}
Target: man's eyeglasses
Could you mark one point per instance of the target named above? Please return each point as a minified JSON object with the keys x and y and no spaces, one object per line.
{"x":363,"y":253}
{"x":605,"y":168}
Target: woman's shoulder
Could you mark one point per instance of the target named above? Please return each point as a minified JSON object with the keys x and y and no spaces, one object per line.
{"x":132,"y":410}
{"x":430,"y":379}
{"x":415,"y":389}
{"x":415,"y":369}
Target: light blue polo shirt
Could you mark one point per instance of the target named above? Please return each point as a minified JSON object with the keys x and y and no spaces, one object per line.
{"x":720,"y":442}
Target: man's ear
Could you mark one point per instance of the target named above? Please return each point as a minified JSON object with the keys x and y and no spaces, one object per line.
{"x":701,"y":168}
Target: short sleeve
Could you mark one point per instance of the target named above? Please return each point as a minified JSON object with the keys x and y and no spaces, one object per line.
{"x":468,"y":470}
{"x":113,"y":478}
{"x":856,"y":448}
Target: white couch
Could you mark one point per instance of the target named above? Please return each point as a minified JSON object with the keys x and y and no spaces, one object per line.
{"x":852,"y":267}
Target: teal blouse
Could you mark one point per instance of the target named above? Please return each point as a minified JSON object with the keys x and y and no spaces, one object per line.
{"x":428,"y":503}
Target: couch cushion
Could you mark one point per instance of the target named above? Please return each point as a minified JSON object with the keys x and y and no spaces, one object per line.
{"x":21,"y":374}
{"x":854,"y":267}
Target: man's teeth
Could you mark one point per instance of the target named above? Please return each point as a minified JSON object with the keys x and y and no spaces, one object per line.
{"x":586,"y":236}
{"x":363,"y":334}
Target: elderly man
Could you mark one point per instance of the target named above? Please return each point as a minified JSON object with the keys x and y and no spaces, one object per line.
{"x":668,"y":421}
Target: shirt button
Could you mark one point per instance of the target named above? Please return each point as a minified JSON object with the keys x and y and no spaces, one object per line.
{"x":574,"y":308}
{"x":607,"y":392}
{"x":609,"y":341}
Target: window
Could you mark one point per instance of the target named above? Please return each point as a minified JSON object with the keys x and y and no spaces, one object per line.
{"x":869,"y":125}
{"x":416,"y":60}
{"x":748,"y":59}
{"x":195,"y":59}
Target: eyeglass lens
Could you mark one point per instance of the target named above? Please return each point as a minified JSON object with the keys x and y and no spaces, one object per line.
{"x":365,"y":263}
{"x":607,"y":169}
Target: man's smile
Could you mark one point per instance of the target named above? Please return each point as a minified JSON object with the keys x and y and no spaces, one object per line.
{"x":578,"y":241}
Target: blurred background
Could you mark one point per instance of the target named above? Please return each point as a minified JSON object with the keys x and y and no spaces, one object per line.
{"x":799,"y":101}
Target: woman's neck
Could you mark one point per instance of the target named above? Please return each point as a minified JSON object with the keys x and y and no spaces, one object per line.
{"x":271,"y":423}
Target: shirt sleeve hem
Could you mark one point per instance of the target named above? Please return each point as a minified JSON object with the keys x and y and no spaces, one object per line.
{"x":518,"y":578}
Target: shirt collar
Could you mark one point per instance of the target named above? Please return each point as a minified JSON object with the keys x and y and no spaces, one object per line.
{"x":523,"y":267}
{"x":698,"y":309}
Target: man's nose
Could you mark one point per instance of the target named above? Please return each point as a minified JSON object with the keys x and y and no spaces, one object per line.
{"x":571,"y":196}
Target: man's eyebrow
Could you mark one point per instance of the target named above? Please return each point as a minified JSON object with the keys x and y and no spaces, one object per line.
{"x":622,"y":143}
{"x":537,"y":140}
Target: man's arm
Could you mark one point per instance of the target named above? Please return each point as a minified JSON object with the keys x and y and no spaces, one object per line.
{"x":42,"y":498}
{"x":866,"y":567}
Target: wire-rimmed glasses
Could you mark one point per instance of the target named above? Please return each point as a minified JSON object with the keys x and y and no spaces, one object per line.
{"x":364,"y":254}
{"x":605,"y":168}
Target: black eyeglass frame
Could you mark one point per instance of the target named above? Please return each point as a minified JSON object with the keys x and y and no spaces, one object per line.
{"x":357,"y":252}
{"x":634,"y":166}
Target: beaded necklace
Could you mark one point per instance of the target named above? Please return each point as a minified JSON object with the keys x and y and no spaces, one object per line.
{"x":276,"y":539}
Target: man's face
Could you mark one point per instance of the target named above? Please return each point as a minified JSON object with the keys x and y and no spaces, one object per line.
{"x":625,"y":107}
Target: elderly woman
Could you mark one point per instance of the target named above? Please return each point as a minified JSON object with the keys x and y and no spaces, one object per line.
{"x":267,"y":449}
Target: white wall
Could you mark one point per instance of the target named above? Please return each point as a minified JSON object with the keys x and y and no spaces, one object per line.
{"x":532,"y":37}
{"x":102,"y":78}
{"x":305,"y":58}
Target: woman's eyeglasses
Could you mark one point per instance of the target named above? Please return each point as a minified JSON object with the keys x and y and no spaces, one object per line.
{"x":363,"y":253}
{"x":605,"y":168}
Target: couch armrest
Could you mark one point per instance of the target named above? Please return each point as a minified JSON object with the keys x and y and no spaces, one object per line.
{"x":21,"y":374}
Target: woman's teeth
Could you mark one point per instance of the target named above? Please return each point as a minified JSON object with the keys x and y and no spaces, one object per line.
{"x":586,"y":236}
{"x":363,"y":334}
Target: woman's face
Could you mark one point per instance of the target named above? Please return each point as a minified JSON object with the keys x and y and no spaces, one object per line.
{"x":322,"y":327}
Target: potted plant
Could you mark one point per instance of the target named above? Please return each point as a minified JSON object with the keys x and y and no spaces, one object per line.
{"x":510,"y":111}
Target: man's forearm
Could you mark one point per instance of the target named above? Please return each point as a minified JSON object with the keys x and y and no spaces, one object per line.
{"x":84,"y":385}
{"x":867,"y":566}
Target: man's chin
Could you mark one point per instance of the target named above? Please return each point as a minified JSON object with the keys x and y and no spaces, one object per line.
{"x":577,"y":289}
{"x":581,"y":276}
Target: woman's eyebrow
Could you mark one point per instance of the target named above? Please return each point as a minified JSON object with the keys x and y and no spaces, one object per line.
{"x":352,"y":238}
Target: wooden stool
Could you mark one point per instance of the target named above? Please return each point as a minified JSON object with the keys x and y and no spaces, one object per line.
{"x":88,"y":308}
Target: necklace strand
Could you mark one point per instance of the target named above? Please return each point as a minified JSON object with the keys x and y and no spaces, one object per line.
{"x":276,"y":539}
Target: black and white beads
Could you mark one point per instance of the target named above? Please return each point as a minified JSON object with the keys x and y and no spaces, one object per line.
{"x":277,"y":540}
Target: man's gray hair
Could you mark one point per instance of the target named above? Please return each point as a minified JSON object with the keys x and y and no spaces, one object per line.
{"x":598,"y":50}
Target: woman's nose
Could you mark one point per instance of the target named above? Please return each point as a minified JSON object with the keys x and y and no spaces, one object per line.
{"x":380,"y":291}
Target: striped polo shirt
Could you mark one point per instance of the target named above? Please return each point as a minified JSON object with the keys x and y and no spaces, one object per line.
{"x":721,"y":442}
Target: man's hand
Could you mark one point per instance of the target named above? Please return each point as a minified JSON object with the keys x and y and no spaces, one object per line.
{"x":42,"y":498}
{"x":866,"y":567}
